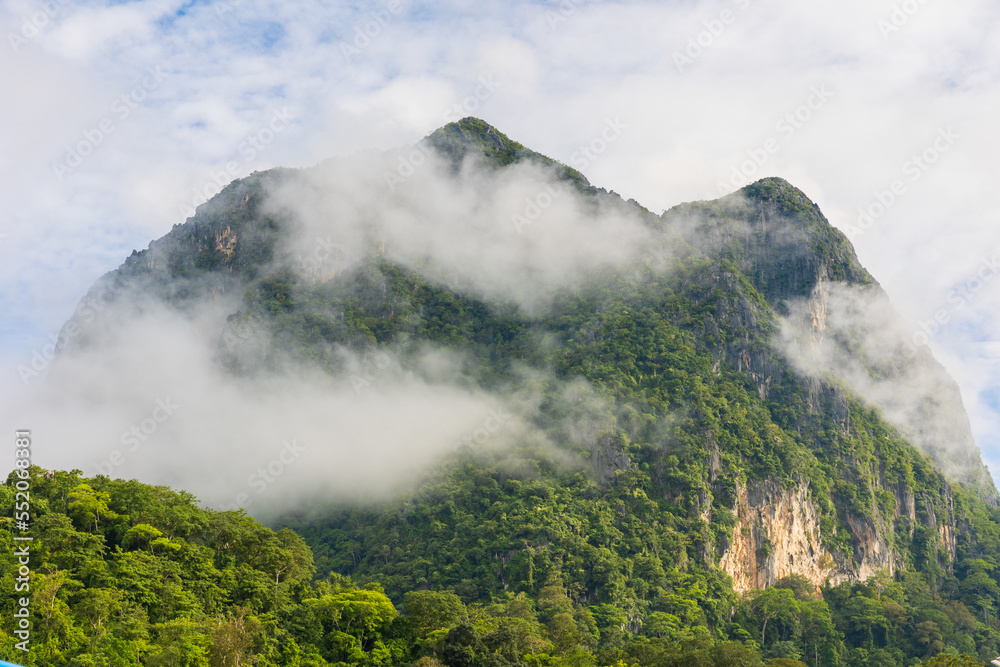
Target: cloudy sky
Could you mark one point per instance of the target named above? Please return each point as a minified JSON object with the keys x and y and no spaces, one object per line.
{"x":119,"y":117}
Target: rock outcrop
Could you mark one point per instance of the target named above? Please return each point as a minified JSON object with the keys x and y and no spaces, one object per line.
{"x":778,"y":533}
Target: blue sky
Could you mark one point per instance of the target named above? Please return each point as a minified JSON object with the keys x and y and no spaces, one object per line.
{"x":712,"y":95}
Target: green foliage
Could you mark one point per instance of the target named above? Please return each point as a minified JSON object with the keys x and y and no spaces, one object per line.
{"x":128,"y":574}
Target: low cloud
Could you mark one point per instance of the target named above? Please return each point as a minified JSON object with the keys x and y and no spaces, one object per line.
{"x":853,"y":333}
{"x":146,"y":389}
{"x":516,"y":235}
{"x":156,"y":405}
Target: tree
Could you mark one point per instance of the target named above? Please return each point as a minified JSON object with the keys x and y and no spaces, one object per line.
{"x":89,"y":505}
{"x":363,"y":614}
{"x":799,"y":585}
{"x":666,"y":626}
{"x":140,"y":534}
{"x":775,"y":604}
{"x":949,"y":660}
{"x":734,"y":654}
{"x":928,"y":634}
{"x":427,"y":611}
{"x":463,"y":647}
{"x":867,"y":621}
{"x":96,"y":606}
{"x":181,"y":642}
{"x":818,"y":630}
{"x":564,"y":633}
{"x":232,"y":639}
{"x":288,"y":555}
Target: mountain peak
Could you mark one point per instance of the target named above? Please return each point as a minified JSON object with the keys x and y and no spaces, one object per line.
{"x":782,"y":195}
{"x":470,"y":134}
{"x":586,"y":419}
{"x":474,"y":136}
{"x":471,"y":128}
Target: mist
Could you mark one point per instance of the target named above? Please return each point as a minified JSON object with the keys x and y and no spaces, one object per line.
{"x":516,"y":235}
{"x":142,"y":392}
{"x":853,"y":333}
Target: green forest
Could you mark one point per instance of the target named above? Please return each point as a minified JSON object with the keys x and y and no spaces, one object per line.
{"x":129,"y":574}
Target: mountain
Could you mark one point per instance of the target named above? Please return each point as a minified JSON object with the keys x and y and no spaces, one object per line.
{"x":708,"y":426}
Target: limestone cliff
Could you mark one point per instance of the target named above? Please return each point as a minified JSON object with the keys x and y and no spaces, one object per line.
{"x":778,"y":533}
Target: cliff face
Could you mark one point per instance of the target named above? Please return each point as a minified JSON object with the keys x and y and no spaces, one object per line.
{"x":805,"y":322}
{"x":778,"y":533}
{"x":837,"y":321}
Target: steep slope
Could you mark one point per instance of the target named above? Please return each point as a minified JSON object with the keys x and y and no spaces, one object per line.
{"x":780,"y":240}
{"x":686,"y":426}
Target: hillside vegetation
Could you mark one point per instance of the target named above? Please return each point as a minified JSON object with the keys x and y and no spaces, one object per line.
{"x":129,"y":574}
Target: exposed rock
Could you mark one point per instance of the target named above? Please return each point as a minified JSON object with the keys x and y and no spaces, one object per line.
{"x":777,"y":533}
{"x":873,"y":551}
{"x":607,"y":457}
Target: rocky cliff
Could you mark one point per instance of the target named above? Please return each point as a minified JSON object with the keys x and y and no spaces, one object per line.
{"x":778,"y":533}
{"x":803,"y":313}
